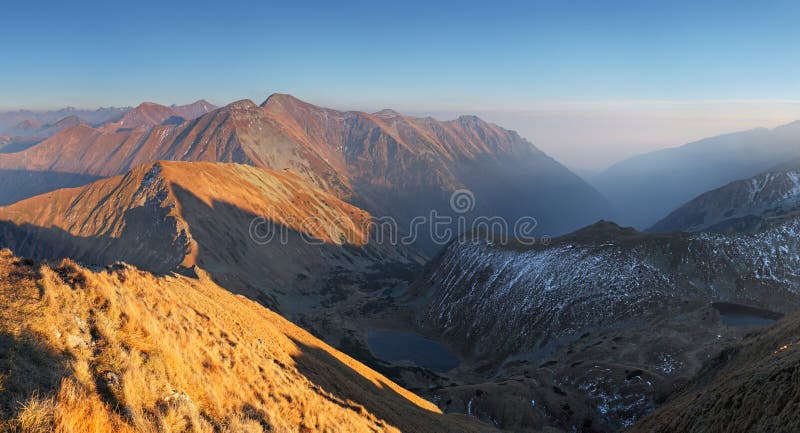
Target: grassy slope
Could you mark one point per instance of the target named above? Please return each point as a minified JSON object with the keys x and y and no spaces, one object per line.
{"x":752,"y":386}
{"x":124,"y":351}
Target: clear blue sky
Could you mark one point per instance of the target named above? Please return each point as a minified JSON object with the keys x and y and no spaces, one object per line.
{"x":589,"y":82}
{"x":408,"y":55}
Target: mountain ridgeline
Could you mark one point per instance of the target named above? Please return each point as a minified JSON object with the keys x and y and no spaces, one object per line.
{"x":596,"y":328}
{"x":746,"y":205}
{"x":386,"y":163}
{"x":38,"y":126}
{"x":11,"y":121}
{"x":168,"y":216}
{"x":647,"y":187}
{"x":122,"y":350}
{"x":496,"y":300}
{"x":220,"y":209}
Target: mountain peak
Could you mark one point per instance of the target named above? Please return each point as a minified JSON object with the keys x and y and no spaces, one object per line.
{"x":242,"y":104}
{"x":69,"y":121}
{"x":150,"y":108}
{"x":25,"y":128}
{"x":788,"y":127}
{"x":28,"y":124}
{"x":197,"y":102}
{"x":387,"y":112}
{"x":281,"y":98}
{"x":200,"y":103}
{"x":171,"y":196}
{"x":601,"y":231}
{"x":469,"y":119}
{"x":145,"y":115}
{"x":194,"y":110}
{"x":285,"y":102}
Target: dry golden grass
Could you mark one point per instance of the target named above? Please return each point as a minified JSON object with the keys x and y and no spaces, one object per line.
{"x":125,"y":351}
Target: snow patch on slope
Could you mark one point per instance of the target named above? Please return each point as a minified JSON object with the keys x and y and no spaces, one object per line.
{"x":502,"y":300}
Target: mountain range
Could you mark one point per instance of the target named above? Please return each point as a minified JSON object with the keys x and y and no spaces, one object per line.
{"x":614,"y":318}
{"x":618,"y":320}
{"x":599,"y":276}
{"x":29,"y":132}
{"x":24,"y":183}
{"x":388,"y":164}
{"x":8,"y":119}
{"x":167,"y":248}
{"x":647,"y":187}
{"x":742,"y":205}
{"x":176,"y":216}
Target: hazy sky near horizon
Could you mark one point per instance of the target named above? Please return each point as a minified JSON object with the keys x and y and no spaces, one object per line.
{"x":589,"y":137}
{"x":588,"y":81}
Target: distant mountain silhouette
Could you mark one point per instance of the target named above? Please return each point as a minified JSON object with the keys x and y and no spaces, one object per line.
{"x":741,"y":206}
{"x":8,"y":119}
{"x":149,"y":114}
{"x":647,"y":187}
{"x":193,"y":110}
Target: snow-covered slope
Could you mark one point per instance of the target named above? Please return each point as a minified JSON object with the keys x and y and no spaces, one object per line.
{"x":739,"y":206}
{"x":496,"y":300}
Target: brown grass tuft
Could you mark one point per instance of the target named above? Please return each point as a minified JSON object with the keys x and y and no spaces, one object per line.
{"x":130,"y":352}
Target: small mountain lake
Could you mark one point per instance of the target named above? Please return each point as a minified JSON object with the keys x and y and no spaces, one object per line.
{"x":743,"y":316}
{"x":398,"y":346}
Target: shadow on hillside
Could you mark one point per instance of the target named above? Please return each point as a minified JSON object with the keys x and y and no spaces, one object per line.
{"x":152,"y":241}
{"x":345,"y":387}
{"x":19,"y":144}
{"x":16,"y":185}
{"x":293,"y":265}
{"x":53,"y":243}
{"x":512,"y":188}
{"x":27,"y":368}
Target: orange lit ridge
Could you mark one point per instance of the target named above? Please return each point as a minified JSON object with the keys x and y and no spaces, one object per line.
{"x":280,"y":196}
{"x":127,"y":351}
